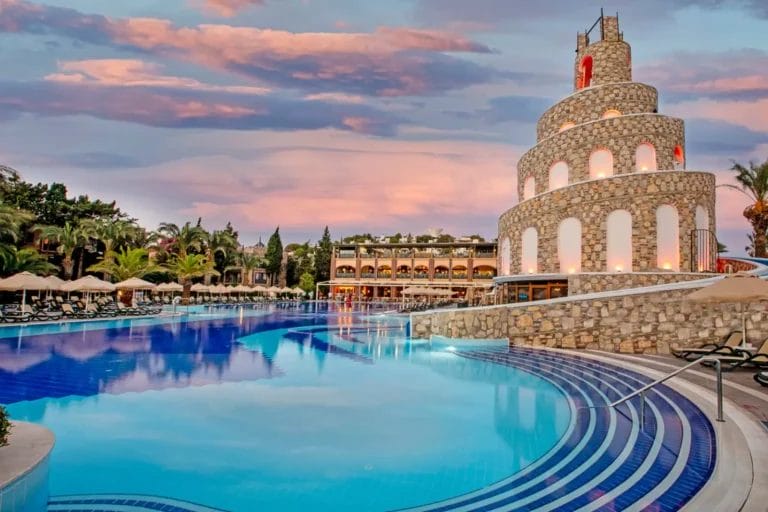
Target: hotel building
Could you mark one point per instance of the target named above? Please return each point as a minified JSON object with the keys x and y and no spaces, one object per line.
{"x":605,"y":190}
{"x":380,"y":271}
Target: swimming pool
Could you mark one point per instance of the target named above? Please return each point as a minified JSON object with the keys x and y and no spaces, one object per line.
{"x":331,"y":409}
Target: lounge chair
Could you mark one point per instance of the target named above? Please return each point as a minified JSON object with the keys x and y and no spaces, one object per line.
{"x":14,"y":316}
{"x":38,"y":314}
{"x":762,"y":378}
{"x":757,"y":359}
{"x":726,"y":348}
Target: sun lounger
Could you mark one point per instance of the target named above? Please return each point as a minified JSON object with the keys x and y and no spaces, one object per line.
{"x":726,"y":347}
{"x":757,"y":359}
{"x":14,"y":316}
{"x":762,"y":378}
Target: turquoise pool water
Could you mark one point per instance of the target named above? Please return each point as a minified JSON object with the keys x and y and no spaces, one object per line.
{"x":280,"y":409}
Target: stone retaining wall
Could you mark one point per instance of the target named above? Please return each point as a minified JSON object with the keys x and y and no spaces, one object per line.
{"x":580,"y":284}
{"x":642,"y":323}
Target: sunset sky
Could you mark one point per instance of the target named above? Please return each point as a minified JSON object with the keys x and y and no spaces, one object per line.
{"x":368,"y":116}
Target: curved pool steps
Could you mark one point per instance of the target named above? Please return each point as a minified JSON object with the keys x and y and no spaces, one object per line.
{"x":608,"y":462}
{"x":122,"y":503}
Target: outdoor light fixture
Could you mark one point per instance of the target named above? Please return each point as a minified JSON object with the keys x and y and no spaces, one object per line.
{"x":667,"y":266}
{"x":618,"y":268}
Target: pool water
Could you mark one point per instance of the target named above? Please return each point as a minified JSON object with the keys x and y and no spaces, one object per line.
{"x":274,"y":409}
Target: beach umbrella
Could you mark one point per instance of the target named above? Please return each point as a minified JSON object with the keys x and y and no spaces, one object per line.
{"x":741,"y":288}
{"x":24,"y":281}
{"x":56,"y":283}
{"x":88,"y":284}
{"x":260,"y":289}
{"x":199,"y":288}
{"x":298,"y":291}
{"x":135,"y":283}
{"x":169,"y":287}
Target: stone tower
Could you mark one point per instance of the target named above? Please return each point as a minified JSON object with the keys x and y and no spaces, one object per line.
{"x":605,"y":187}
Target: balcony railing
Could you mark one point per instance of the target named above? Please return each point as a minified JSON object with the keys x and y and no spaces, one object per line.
{"x":441,"y":276}
{"x":459,"y":275}
{"x":345,"y":275}
{"x":368,"y":275}
{"x":485,"y":255}
{"x":346,"y":256}
{"x":421,"y":275}
{"x":483,"y":275}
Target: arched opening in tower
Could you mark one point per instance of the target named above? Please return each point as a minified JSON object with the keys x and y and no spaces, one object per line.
{"x":586,"y":71}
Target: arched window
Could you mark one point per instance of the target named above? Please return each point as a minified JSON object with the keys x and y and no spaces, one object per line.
{"x":529,"y":188}
{"x":679,"y":158}
{"x":345,"y":271}
{"x":702,"y":218}
{"x":506,"y":256}
{"x":367,"y":271}
{"x":421,"y":272}
{"x":667,"y":238}
{"x":558,"y":175}
{"x":619,"y":241}
{"x":645,"y":157}
{"x":529,"y":261}
{"x":585,"y":72}
{"x":600,"y":164}
{"x":459,"y":272}
{"x":566,"y":126}
{"x":569,"y":245}
{"x":384,"y":271}
{"x":403,"y":271}
{"x":608,"y":114}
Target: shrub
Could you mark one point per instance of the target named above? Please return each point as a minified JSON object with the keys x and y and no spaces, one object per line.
{"x":5,"y":426}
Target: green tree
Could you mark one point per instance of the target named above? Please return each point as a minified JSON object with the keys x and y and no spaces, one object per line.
{"x":322,"y":259}
{"x":218,"y":242}
{"x":307,"y":282}
{"x":126,"y":264}
{"x":246,"y":264}
{"x":753,"y":182}
{"x":186,"y":268}
{"x":12,"y":221}
{"x":68,"y":239}
{"x":274,"y":256}
{"x":183,"y":240}
{"x":112,"y":234}
{"x":25,"y":260}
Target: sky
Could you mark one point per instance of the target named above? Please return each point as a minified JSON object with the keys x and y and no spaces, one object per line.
{"x":381,"y":117}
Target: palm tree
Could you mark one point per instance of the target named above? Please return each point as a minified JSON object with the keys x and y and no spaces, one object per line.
{"x":186,"y":268}
{"x":754,"y":184}
{"x":217,"y":242}
{"x":111,"y":233}
{"x":25,"y":260}
{"x":11,"y":222}
{"x":246,"y":264}
{"x":68,"y":239}
{"x":126,"y":264}
{"x":182,"y":240}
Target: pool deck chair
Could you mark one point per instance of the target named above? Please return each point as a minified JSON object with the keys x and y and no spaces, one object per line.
{"x":762,"y":378}
{"x":727,"y":348}
{"x":759,"y":359}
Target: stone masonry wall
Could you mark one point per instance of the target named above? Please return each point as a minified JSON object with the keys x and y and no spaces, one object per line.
{"x":592,"y":201}
{"x":645,"y":323}
{"x":621,"y":135}
{"x":591,"y":103}
{"x":611,"y":62}
{"x":580,"y":284}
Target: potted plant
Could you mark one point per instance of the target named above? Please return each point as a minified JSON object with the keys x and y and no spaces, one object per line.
{"x":5,"y":426}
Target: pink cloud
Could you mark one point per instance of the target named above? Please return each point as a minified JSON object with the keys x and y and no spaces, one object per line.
{"x":135,"y":73}
{"x":387,"y":61}
{"x":228,"y":8}
{"x":303,"y":181}
{"x":750,"y":114}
